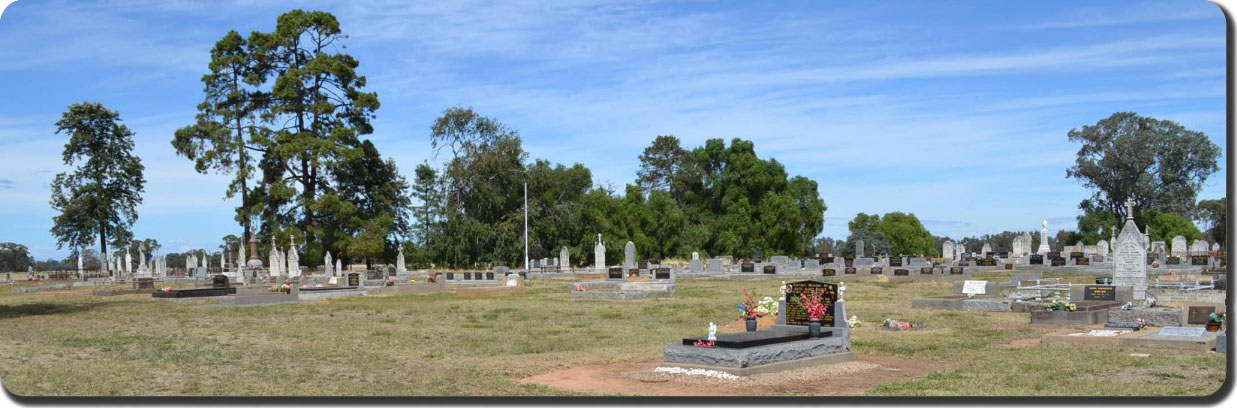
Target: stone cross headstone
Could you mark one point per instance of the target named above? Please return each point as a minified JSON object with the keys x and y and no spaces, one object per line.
{"x":629,"y":255}
{"x":859,"y":249}
{"x":599,"y":256}
{"x":400,"y":267}
{"x":1179,"y":246}
{"x":564,"y":258}
{"x":1129,"y":260}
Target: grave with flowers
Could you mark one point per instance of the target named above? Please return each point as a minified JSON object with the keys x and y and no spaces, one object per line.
{"x":806,"y":334}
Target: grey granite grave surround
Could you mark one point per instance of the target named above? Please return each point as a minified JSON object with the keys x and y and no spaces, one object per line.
{"x":1155,"y":316}
{"x":618,"y":290}
{"x":763,"y":359}
{"x":1222,"y":343}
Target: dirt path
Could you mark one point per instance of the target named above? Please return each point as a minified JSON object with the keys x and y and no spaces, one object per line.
{"x":637,"y":378}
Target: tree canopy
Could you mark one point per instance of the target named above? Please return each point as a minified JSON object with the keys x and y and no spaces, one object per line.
{"x":1158,"y":163}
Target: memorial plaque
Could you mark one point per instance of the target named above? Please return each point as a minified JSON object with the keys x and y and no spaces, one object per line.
{"x":1058,"y":261}
{"x":220,"y":281}
{"x":770,"y":269}
{"x":1009,"y":266}
{"x":450,"y":276}
{"x":1199,"y":314}
{"x":901,"y":272}
{"x":1172,"y":260}
{"x":1177,"y":331}
{"x":1198,"y":260}
{"x":796,"y":315}
{"x":877,"y":270}
{"x":661,"y":273}
{"x":1150,"y":259}
{"x":643,"y":265}
{"x":827,"y":259}
{"x":615,"y":273}
{"x":1036,"y":259}
{"x":849,"y":271}
{"x":955,"y":270}
{"x":829,"y":272}
{"x":467,"y":276}
{"x":895,"y":261}
{"x":1099,"y":292}
{"x":747,"y":267}
{"x":354,"y":279}
{"x":926,"y":270}
{"x":849,"y":261}
{"x":986,"y":262}
{"x":1054,"y":255}
{"x":758,"y":257}
{"x":489,"y":275}
{"x":974,"y":287}
{"x":1076,"y":255}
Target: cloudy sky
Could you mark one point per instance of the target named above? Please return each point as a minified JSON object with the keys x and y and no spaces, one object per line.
{"x":954,"y":111}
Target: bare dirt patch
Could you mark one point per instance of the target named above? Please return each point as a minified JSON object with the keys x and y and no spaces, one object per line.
{"x":638,"y":378}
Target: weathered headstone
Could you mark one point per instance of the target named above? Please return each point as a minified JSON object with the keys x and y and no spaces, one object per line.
{"x":695,"y":266}
{"x":983,"y":251}
{"x":1102,"y":248}
{"x":564,"y":258}
{"x":1199,"y":247}
{"x":947,"y":250}
{"x":715,"y":265}
{"x":1043,"y":239}
{"x":859,"y":248}
{"x":629,"y":255}
{"x":1179,"y":246}
{"x":326,"y":265}
{"x":599,"y":255}
{"x":1128,"y":255}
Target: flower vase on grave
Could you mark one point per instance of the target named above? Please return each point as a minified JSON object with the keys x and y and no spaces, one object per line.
{"x":751,"y":324}
{"x":1213,"y":326}
{"x":813,"y":328}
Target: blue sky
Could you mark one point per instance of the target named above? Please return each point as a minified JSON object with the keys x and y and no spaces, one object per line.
{"x":954,"y":111}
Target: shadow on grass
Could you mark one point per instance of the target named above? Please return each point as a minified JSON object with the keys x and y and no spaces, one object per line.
{"x":42,"y":309}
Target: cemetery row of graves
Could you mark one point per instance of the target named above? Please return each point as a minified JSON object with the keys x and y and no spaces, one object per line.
{"x":852,"y":325}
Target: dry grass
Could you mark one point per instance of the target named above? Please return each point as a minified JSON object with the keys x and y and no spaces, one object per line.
{"x":443,"y":344}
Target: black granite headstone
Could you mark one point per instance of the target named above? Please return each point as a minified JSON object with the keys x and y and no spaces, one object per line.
{"x":955,"y":270}
{"x":489,"y":275}
{"x":615,"y":273}
{"x":895,"y":261}
{"x":354,"y":279}
{"x":220,"y":281}
{"x":796,"y":315}
{"x":1036,"y":259}
{"x":747,"y":267}
{"x":661,"y":273}
{"x":901,"y":272}
{"x":849,"y":271}
{"x":1099,"y":292}
{"x":829,"y":272}
{"x":770,"y":269}
{"x":1198,"y":260}
{"x":925,"y":270}
{"x":450,"y":275}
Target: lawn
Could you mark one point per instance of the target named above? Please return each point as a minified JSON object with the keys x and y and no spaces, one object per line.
{"x":444,"y":344}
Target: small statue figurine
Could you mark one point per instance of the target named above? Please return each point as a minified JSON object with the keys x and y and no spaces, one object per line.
{"x":841,"y":291}
{"x":712,"y":331}
{"x":784,"y":289}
